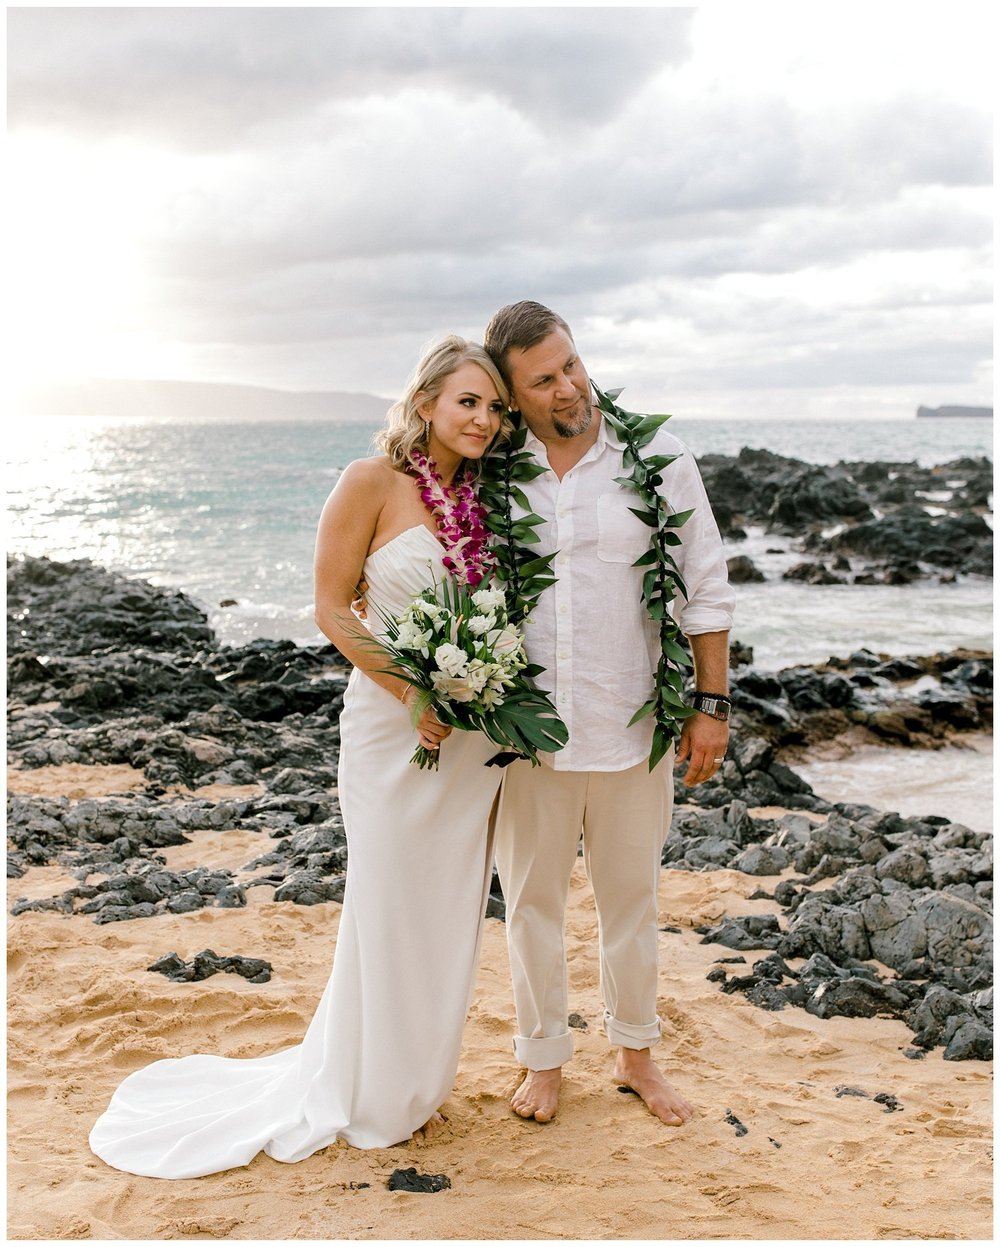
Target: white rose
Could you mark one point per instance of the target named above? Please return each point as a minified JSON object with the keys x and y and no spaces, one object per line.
{"x":489,"y":599}
{"x":481,"y":624}
{"x":451,"y":660}
{"x":452,"y":688}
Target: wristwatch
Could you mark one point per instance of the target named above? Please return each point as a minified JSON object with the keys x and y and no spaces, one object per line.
{"x":717,"y":705}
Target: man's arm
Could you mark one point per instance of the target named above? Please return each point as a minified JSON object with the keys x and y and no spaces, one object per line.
{"x":705,"y":615}
{"x":704,"y":739}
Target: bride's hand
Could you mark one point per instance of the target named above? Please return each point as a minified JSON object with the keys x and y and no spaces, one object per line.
{"x":430,"y":730}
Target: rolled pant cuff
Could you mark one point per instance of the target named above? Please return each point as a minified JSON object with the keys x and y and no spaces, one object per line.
{"x":624,"y":1035}
{"x":547,"y":1053}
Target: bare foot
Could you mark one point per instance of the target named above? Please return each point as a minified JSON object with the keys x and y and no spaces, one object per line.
{"x":635,"y":1068}
{"x":431,"y":1127}
{"x":538,"y":1096}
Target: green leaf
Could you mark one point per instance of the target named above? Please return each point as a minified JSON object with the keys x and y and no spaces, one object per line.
{"x":659,"y":462}
{"x":662,"y":741}
{"x":528,"y":471}
{"x":536,"y":566}
{"x":647,"y":516}
{"x":674,"y":652}
{"x":646,"y":708}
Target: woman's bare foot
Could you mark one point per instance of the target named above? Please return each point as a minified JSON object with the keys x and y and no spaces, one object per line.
{"x":635,"y":1068}
{"x":431,"y":1127}
{"x":538,"y":1096}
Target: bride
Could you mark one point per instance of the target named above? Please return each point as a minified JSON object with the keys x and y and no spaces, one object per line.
{"x":381,"y":1052}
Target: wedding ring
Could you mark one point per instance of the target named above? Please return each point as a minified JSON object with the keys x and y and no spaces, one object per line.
{"x":720,"y":760}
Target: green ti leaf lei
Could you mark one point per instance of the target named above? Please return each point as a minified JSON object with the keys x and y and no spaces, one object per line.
{"x":662,"y":577}
{"x":527,"y":574}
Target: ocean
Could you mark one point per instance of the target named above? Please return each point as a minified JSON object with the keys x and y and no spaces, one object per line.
{"x":227,"y":512}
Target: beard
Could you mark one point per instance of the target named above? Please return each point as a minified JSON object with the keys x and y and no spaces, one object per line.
{"x":577,"y":422}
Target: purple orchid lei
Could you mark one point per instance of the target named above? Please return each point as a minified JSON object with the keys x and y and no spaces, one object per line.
{"x":461,"y":520}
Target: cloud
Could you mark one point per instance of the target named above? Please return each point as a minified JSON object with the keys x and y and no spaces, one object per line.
{"x":207,"y":77}
{"x":309,"y":195}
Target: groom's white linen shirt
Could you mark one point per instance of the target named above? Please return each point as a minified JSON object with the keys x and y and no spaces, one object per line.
{"x":590,"y":630}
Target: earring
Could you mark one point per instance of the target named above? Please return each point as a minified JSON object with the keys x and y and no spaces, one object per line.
{"x":427,"y":430}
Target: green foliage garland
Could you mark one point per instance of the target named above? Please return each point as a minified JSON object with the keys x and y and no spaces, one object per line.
{"x":527,"y":574}
{"x":662,"y":577}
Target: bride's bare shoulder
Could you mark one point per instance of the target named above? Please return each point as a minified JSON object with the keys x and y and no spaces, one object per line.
{"x":374,"y":468}
{"x":373,"y":473}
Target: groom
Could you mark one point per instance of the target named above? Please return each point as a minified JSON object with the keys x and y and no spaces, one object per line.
{"x":591,"y":632}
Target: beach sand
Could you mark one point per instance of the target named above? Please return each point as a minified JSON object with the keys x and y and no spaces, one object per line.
{"x":84,"y":1011}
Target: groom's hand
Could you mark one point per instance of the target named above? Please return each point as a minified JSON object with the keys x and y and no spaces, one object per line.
{"x":360,"y":604}
{"x":703,"y":746}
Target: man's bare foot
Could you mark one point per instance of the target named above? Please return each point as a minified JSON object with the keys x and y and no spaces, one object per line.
{"x":538,"y":1096}
{"x":635,"y":1068}
{"x":431,"y":1127}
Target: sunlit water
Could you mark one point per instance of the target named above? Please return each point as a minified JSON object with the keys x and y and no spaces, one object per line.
{"x":228,"y":511}
{"x":954,"y":782}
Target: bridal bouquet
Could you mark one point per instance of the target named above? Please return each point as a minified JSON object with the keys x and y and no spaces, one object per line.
{"x":457,"y":646}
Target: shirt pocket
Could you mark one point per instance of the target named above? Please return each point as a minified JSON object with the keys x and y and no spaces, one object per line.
{"x":621,"y":536}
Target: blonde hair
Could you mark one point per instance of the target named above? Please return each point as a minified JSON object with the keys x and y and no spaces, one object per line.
{"x":404,"y":428}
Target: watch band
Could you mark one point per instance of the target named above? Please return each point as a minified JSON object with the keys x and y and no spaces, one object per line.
{"x":717,"y":705}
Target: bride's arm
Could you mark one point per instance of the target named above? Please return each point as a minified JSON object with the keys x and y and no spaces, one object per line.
{"x":346,"y":529}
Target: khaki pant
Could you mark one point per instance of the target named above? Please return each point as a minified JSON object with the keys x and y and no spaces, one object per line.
{"x":624,"y":817}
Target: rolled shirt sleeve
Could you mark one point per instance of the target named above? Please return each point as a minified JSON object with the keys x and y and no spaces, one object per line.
{"x":710,"y":600}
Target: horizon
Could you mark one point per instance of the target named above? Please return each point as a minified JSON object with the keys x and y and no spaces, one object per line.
{"x":24,"y":401}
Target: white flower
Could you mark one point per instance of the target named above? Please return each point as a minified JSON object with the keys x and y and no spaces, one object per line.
{"x":451,"y":659}
{"x":480,"y":624}
{"x":429,"y":609}
{"x":411,"y":637}
{"x":489,"y":599}
{"x":490,"y":698}
{"x":505,"y":642}
{"x":452,"y":688}
{"x":478,"y":674}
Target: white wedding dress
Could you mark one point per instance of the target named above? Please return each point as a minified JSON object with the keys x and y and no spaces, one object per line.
{"x":381,"y":1052}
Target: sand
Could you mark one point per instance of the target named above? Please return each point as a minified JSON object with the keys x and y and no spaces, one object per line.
{"x":84,"y":1011}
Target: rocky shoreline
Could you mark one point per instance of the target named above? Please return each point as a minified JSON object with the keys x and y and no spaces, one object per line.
{"x":109,"y":672}
{"x":858,"y":522}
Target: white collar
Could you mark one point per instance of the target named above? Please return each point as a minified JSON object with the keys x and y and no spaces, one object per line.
{"x":603,"y":440}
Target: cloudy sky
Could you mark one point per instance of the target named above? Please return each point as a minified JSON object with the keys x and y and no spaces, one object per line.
{"x":754,"y":209}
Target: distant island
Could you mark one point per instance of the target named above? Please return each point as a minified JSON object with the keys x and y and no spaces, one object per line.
{"x":198,"y":400}
{"x":953,"y":412}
